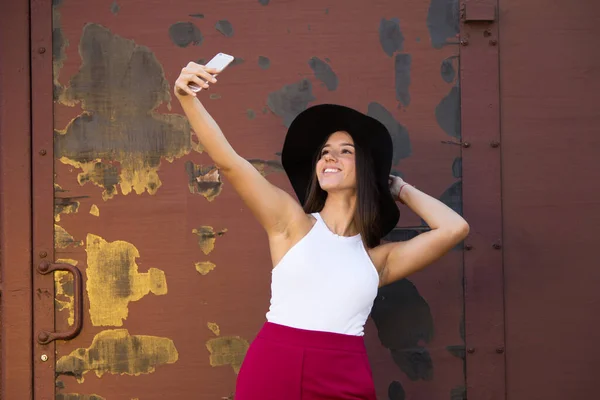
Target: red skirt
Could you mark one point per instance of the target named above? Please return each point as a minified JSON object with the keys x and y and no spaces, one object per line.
{"x":286,"y":363}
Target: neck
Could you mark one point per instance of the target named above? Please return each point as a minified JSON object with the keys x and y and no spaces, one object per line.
{"x":338,"y":213}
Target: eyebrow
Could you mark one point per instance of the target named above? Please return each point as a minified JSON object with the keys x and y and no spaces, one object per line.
{"x":341,"y":144}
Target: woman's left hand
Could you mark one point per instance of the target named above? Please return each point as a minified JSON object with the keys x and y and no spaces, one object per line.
{"x":395,"y":183}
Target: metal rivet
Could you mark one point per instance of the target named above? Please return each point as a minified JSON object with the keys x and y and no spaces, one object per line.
{"x":470,"y":350}
{"x":42,"y":50}
{"x":499,"y":349}
{"x":464,"y":42}
{"x":43,"y":337}
{"x":487,"y":33}
{"x":42,"y":152}
{"x":44,"y":357}
{"x":43,"y":254}
{"x":493,"y":42}
{"x":468,"y":247}
{"x":466,"y":145}
{"x":494,"y":143}
{"x":497,"y":246}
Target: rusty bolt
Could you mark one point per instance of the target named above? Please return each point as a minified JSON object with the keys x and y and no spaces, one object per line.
{"x":44,"y":266}
{"x":497,"y":246}
{"x":487,"y":33}
{"x":494,"y":143}
{"x":466,"y":145}
{"x":43,"y":254}
{"x":43,"y":337}
{"x":468,"y":247}
{"x":470,"y":350}
{"x":42,"y":152}
{"x":464,"y":42}
{"x":500,"y":349}
{"x":493,"y":42}
{"x":42,"y":50}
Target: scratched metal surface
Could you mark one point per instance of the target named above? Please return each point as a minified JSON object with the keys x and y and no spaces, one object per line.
{"x":176,"y":269}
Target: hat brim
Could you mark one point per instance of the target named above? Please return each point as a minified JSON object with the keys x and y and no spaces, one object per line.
{"x":311,"y":128}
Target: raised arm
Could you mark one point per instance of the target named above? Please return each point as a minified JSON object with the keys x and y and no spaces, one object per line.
{"x":400,"y":259}
{"x":273,"y":207}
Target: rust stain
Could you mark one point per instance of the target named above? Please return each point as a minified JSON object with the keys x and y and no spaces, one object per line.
{"x":214,"y":328}
{"x":226,"y":350}
{"x":204,"y":180}
{"x":204,"y":267}
{"x":62,"y":238}
{"x":207,"y":237}
{"x":266,"y":167}
{"x":77,"y":396}
{"x":113,"y":280}
{"x":63,"y":290}
{"x":59,"y":46}
{"x":94,"y":210}
{"x":118,"y":352}
{"x":120,"y":140}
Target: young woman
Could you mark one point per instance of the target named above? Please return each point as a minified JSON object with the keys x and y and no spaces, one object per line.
{"x":327,"y":258}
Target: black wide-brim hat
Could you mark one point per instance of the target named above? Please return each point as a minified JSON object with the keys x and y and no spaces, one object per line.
{"x":309,"y":131}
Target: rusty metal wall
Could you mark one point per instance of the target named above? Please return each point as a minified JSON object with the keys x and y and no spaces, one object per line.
{"x":550,"y":117}
{"x":176,"y":270}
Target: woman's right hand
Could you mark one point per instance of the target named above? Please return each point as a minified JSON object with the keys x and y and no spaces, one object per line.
{"x":193,"y":73}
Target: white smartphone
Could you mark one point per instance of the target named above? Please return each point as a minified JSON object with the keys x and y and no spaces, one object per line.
{"x":218,"y":62}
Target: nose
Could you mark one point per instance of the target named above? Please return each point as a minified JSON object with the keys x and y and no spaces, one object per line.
{"x":330,"y":156}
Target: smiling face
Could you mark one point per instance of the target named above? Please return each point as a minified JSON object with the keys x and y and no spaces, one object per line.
{"x":336,"y":167}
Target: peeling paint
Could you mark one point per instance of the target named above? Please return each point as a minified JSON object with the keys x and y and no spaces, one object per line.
{"x":457,"y":168}
{"x":113,"y":280}
{"x":59,"y":53}
{"x":204,"y":267}
{"x":291,"y":100}
{"x":119,"y":139}
{"x":214,"y":96}
{"x":224,"y":27}
{"x":65,"y":205}
{"x":237,"y":61}
{"x":94,"y":210}
{"x":264,"y":2}
{"x":183,"y":34}
{"x":264,"y":62}
{"x":390,"y":36}
{"x":404,"y":323}
{"x":447,"y":113}
{"x":324,"y":73}
{"x":62,"y":238}
{"x":118,"y":352}
{"x":77,"y":396}
{"x":226,"y":350}
{"x":204,"y":180}
{"x":402,"y":65}
{"x":250,"y":114}
{"x":442,"y":21}
{"x":63,"y":290}
{"x":197,"y":15}
{"x":447,"y":69}
{"x":396,"y":391}
{"x":399,"y":134}
{"x":115,"y":8}
{"x":214,"y":328}
{"x":207,"y":237}
{"x":458,"y":393}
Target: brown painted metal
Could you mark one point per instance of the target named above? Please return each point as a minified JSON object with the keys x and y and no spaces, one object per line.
{"x":550,"y":151}
{"x":235,"y":294}
{"x":44,"y":336}
{"x":43,"y":190}
{"x":484,"y":284}
{"x":15,"y":203}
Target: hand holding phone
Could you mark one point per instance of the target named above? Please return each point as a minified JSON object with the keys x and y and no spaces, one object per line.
{"x":195,"y":77}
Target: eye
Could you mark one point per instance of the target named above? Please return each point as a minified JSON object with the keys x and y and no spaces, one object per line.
{"x":323,"y":152}
{"x":347,"y":151}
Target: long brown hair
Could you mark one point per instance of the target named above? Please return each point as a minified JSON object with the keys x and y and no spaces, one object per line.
{"x":367,"y":217}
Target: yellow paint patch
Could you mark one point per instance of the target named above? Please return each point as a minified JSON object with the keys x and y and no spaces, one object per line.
{"x":118,"y":352}
{"x":63,"y":290}
{"x":62,"y":238}
{"x":77,"y":396}
{"x":227,"y":350}
{"x":204,"y":180}
{"x":94,"y":210}
{"x":207,"y":237}
{"x":67,"y":207}
{"x":113,"y":280}
{"x":214,"y":328}
{"x":204,"y":267}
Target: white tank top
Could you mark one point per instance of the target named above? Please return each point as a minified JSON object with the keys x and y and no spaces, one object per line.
{"x":325,"y":282}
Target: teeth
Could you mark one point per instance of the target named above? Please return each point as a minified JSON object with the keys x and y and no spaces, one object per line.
{"x":331,"y":170}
